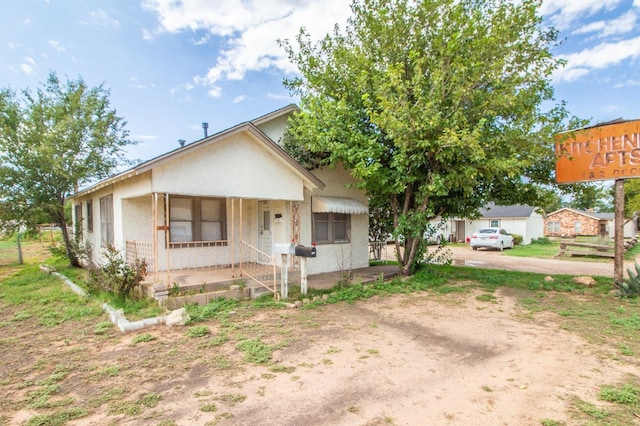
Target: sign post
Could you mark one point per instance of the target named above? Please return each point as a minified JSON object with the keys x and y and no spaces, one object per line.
{"x":610,"y":151}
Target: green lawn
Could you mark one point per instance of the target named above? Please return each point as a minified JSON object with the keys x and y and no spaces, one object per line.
{"x":547,"y":249}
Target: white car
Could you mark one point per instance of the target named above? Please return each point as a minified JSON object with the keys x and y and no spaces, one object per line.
{"x":496,"y":238}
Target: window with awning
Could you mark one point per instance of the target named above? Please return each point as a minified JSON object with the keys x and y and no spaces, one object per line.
{"x":337,"y":205}
{"x":332,"y":218}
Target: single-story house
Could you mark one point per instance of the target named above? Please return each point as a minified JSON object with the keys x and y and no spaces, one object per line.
{"x":518,"y":219}
{"x":568,"y":222}
{"x":223,"y":203}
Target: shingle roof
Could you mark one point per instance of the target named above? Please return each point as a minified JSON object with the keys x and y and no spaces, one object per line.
{"x":600,"y":216}
{"x":517,"y":210}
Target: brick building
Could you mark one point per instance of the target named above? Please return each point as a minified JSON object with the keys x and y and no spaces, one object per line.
{"x":568,"y":222}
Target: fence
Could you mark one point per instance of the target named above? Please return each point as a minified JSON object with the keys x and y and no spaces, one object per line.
{"x":10,"y":252}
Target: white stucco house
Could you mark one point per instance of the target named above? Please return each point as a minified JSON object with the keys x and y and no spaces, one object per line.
{"x":222,"y":203}
{"x":518,"y":219}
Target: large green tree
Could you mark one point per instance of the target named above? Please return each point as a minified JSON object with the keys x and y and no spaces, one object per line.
{"x":439,"y":106}
{"x":64,"y":136}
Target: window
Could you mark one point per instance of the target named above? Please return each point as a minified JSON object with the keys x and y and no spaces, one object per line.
{"x":78,"y":224}
{"x":553,"y":227}
{"x":89,"y":216}
{"x":106,"y":221}
{"x":331,"y":228}
{"x":196,"y":219}
{"x":577,"y":227}
{"x":494,"y":223}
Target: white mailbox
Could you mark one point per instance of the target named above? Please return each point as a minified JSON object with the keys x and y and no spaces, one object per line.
{"x":284,"y":248}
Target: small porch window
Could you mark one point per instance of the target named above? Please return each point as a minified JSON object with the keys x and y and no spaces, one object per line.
{"x":494,"y":223}
{"x":196,"y":219}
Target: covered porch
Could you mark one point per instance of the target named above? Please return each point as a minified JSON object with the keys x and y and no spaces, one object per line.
{"x":165,"y":231}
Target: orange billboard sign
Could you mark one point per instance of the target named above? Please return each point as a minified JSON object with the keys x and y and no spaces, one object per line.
{"x":608,"y":151}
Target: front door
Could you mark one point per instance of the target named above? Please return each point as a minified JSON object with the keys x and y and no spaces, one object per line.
{"x":264,"y":230}
{"x":460,"y":232}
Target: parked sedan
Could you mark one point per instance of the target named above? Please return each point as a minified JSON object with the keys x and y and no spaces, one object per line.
{"x":496,"y":238}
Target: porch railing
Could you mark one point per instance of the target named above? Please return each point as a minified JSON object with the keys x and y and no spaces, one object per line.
{"x":254,"y":263}
{"x":136,"y":250}
{"x":182,"y":256}
{"x":258,"y":266}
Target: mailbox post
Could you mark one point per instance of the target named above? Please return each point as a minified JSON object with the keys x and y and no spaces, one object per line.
{"x":304,"y":252}
{"x":285,"y":249}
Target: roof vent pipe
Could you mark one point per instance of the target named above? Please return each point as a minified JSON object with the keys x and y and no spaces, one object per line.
{"x":205,"y":126}
{"x":181,"y":142}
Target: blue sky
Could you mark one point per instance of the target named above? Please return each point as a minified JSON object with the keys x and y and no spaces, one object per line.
{"x":171,"y":65}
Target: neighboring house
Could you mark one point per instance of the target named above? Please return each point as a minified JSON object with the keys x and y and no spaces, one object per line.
{"x":518,"y":219}
{"x":222,"y":203}
{"x":568,"y":222}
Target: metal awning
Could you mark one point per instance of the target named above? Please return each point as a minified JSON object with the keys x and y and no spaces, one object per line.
{"x":337,"y":205}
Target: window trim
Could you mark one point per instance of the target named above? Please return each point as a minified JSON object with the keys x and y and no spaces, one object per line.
{"x":90,"y":216}
{"x":107,"y":237}
{"x":78,"y":222}
{"x":331,"y":224}
{"x":556,"y":226}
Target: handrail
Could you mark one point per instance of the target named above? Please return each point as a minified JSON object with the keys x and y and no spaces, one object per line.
{"x":256,"y":264}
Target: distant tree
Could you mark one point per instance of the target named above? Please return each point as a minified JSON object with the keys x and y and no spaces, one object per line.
{"x":435,"y":106}
{"x":63,"y":136}
{"x":592,"y":196}
{"x":631,"y":196}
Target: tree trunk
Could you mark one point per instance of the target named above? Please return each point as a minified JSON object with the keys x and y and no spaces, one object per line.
{"x":68,"y":244}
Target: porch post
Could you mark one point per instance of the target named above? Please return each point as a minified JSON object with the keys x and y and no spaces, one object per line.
{"x":241,"y":237}
{"x":232,"y":239}
{"x":154,"y":223}
{"x":166,"y":237}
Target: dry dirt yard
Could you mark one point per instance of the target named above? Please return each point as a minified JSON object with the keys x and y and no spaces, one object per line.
{"x":416,"y":359}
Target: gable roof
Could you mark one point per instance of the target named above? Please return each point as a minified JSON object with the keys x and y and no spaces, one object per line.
{"x":593,"y":215}
{"x":246,"y":127}
{"x":516,"y":210}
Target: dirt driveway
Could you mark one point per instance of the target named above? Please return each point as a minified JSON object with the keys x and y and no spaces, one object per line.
{"x":494,"y":259}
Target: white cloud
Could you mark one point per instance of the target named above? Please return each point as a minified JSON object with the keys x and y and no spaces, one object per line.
{"x":57,"y":46}
{"x":623,"y":24}
{"x":147,"y":35}
{"x":249,"y":30}
{"x":628,"y":83}
{"x":145,"y":137}
{"x":26,"y":68}
{"x":101,"y":18}
{"x":278,"y":96}
{"x":563,"y":13}
{"x":598,"y":57}
{"x":239,"y":99}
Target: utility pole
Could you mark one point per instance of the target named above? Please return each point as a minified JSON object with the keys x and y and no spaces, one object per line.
{"x":618,"y":257}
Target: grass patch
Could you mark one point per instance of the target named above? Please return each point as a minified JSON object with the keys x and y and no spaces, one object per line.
{"x":256,"y":351}
{"x":142,"y":338}
{"x":627,"y":394}
{"x":198,"y":331}
{"x":58,"y":418}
